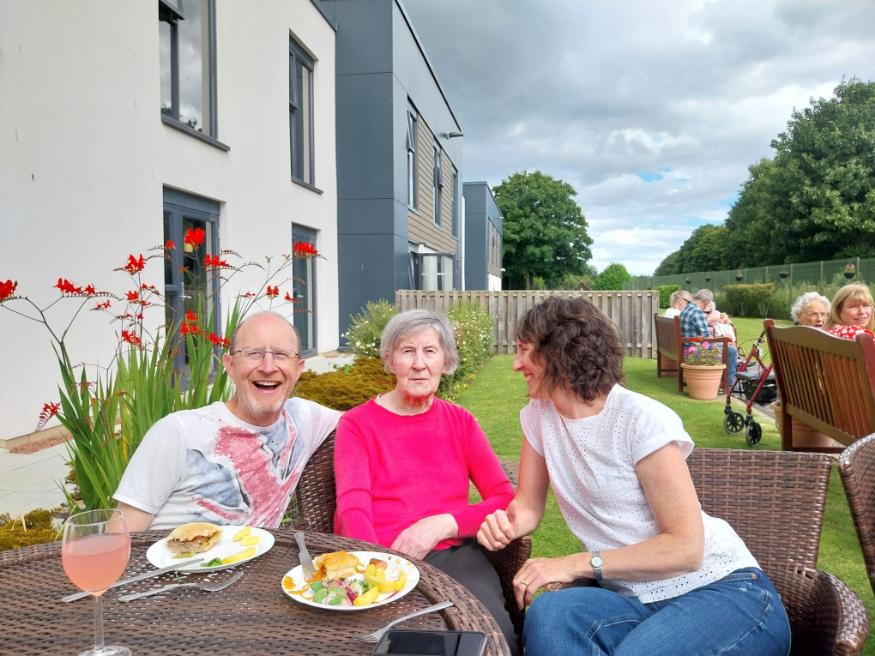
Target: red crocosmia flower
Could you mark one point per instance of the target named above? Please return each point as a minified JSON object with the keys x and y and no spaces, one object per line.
{"x":249,"y":295}
{"x":49,"y":410}
{"x":7,"y":289}
{"x":67,"y":287}
{"x":131,"y":337}
{"x":188,"y":328}
{"x":194,"y":236}
{"x":133,"y":296}
{"x":191,"y":315}
{"x":214,"y":261}
{"x":289,"y":298}
{"x":89,"y":290}
{"x":272,"y":292}
{"x":146,"y":285}
{"x":135,"y":265}
{"x":169,"y":245}
{"x":103,"y":305}
{"x":218,"y":340}
{"x":304,"y":248}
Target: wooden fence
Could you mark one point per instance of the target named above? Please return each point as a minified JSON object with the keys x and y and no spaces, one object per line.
{"x":631,"y":311}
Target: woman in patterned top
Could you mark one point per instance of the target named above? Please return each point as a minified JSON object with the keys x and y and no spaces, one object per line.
{"x":670,"y":578}
{"x":851,"y":312}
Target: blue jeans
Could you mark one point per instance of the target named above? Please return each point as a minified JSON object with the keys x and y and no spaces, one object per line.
{"x":739,"y":614}
{"x":732,"y":365}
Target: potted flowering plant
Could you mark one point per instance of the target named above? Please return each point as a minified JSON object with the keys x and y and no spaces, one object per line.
{"x":703,"y":369}
{"x":107,"y":410}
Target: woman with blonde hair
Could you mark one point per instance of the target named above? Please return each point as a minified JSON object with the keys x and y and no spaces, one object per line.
{"x":851,"y":312}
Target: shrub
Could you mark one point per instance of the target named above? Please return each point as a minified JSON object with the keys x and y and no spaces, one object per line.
{"x":34,"y":528}
{"x":365,"y":329}
{"x":745,"y":300}
{"x":472,"y":328}
{"x":348,"y":387}
{"x":613,"y":277}
{"x":665,"y":292}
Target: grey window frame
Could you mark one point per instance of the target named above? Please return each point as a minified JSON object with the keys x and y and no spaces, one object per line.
{"x":412,"y":139}
{"x":311,"y":236}
{"x":297,"y":56}
{"x":437,"y":184}
{"x":172,"y":12}
{"x":455,"y":198}
{"x":179,"y":205}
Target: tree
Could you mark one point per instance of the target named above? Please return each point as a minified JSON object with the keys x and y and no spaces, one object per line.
{"x":816,"y":198}
{"x":544,"y":229}
{"x":669,"y":266}
{"x":613,"y":277}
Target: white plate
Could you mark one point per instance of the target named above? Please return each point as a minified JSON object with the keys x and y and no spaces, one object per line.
{"x":364,"y":556}
{"x":160,"y":556}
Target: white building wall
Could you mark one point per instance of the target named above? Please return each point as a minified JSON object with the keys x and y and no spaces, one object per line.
{"x":84,"y":159}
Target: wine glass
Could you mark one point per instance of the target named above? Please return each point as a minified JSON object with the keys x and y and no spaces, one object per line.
{"x":95,"y":552}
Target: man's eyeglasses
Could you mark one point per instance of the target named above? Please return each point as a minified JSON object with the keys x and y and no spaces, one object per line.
{"x":257,"y":354}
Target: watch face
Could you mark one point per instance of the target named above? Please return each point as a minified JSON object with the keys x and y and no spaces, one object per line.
{"x":596,"y":561}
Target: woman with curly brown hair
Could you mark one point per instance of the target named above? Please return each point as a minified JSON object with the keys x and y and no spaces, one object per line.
{"x":670,"y":578}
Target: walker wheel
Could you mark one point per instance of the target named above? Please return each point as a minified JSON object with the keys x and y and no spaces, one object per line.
{"x":754,"y":433}
{"x":733,"y":422}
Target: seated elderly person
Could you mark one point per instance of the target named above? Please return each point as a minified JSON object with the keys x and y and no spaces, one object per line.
{"x":810,"y":309}
{"x":234,"y":462}
{"x":851,"y":312}
{"x":694,"y":323}
{"x":677,"y":302}
{"x":404,"y":459}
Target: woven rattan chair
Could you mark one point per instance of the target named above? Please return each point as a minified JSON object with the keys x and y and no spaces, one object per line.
{"x":857,"y":467}
{"x":315,"y":502}
{"x":775,"y":501}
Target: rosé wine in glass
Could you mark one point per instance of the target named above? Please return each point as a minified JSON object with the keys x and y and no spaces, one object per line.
{"x":94,"y":553}
{"x":96,"y":562}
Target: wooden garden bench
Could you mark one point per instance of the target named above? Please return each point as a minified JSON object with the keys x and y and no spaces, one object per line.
{"x":670,"y":348}
{"x":825,"y":382}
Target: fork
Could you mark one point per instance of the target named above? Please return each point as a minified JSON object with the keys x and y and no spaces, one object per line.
{"x":203,"y":585}
{"x":378,"y":634}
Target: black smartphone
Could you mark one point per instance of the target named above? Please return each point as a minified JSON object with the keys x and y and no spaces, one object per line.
{"x":432,"y":643}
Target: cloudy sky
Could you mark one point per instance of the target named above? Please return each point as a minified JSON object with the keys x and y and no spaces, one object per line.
{"x":652,"y":109}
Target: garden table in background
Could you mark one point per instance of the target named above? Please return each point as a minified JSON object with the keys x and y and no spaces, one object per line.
{"x":253,"y":616}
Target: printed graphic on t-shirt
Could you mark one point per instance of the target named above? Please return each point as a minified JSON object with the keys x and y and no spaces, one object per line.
{"x":259,"y":492}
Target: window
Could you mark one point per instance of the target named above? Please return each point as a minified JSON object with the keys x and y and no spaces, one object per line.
{"x":455,"y":204}
{"x":437,"y":185}
{"x":188,"y":283}
{"x":301,"y":113}
{"x":304,"y":291}
{"x":431,"y":271}
{"x":411,"y":159}
{"x":188,"y":63}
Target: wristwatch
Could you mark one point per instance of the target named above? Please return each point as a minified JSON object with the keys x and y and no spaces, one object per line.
{"x":596,"y":562}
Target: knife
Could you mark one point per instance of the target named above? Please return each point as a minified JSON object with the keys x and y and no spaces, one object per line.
{"x":138,"y":577}
{"x":307,"y":566}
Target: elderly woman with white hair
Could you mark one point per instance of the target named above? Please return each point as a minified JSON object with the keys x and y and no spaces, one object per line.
{"x":404,"y":461}
{"x":810,"y":309}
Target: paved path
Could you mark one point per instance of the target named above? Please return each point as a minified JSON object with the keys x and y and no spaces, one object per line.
{"x":32,"y":480}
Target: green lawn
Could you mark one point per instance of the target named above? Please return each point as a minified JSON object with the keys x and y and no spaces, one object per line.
{"x":498,"y":394}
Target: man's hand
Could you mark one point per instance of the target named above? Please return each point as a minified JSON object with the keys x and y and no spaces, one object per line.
{"x":421,"y":537}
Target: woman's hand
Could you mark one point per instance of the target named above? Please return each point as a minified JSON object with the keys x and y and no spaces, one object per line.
{"x":421,"y":537}
{"x":499,"y":529}
{"x":537,"y":572}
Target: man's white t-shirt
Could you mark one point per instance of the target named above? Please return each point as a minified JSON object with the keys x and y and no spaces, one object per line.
{"x":591,"y":464}
{"x":208,"y":465}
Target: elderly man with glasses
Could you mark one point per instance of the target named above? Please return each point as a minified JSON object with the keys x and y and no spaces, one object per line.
{"x":234,"y":462}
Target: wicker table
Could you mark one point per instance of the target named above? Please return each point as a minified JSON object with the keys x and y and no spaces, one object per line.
{"x":253,"y":616}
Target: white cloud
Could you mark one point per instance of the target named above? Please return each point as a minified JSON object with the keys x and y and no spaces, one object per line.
{"x":595,"y":93}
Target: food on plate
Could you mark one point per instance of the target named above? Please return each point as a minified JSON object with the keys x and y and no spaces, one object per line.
{"x":249,"y":540}
{"x":196,"y":537}
{"x":247,"y":553}
{"x":242,"y":533}
{"x":337,"y":565}
{"x":215,"y":562}
{"x":342,"y":580}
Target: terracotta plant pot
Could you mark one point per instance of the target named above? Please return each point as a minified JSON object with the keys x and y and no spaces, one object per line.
{"x":703,"y":381}
{"x":803,"y":434}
